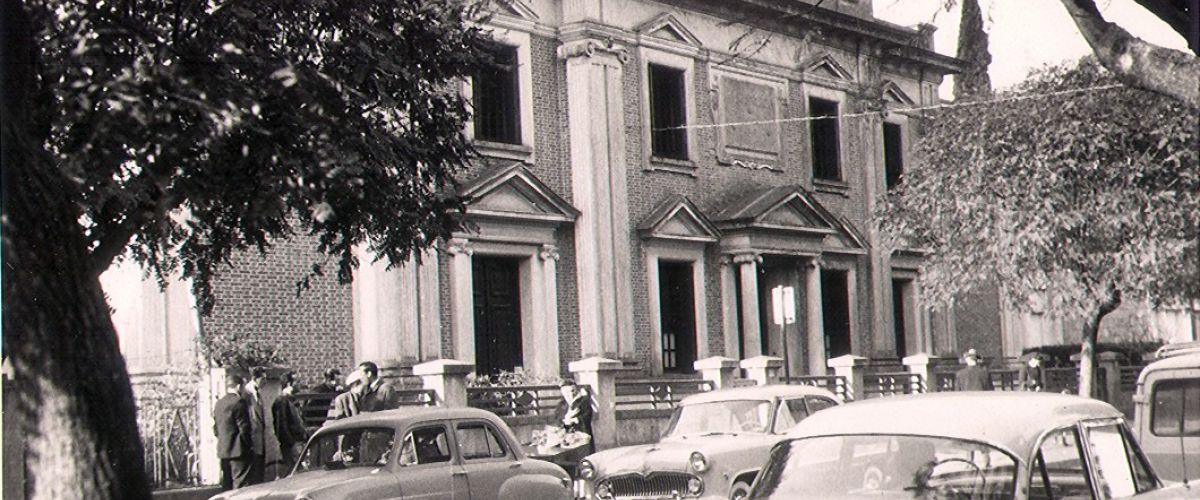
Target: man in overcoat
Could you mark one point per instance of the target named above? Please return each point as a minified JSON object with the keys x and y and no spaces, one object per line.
{"x":231,"y":424}
{"x":974,"y":377}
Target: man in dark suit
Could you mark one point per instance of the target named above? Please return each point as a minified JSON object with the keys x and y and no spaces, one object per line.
{"x":974,"y":377}
{"x":289,"y":425}
{"x":231,"y":424}
{"x":252,"y":393}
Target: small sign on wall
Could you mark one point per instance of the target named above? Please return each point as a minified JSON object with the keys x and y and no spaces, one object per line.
{"x":783,"y":300}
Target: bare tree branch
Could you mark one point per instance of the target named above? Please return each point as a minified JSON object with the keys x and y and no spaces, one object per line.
{"x":1134,"y":61}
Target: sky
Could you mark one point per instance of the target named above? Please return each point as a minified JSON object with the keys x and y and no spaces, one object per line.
{"x":1025,"y":34}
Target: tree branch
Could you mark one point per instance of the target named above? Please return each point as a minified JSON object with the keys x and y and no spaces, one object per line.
{"x":1177,"y":17}
{"x":1136,"y":62}
{"x":114,"y":241}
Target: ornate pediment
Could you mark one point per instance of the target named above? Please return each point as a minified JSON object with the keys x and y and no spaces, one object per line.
{"x":787,"y":209}
{"x":518,"y":9}
{"x":892,"y":94}
{"x":825,"y":65}
{"x":678,"y":219}
{"x":667,"y":27}
{"x":513,"y":192}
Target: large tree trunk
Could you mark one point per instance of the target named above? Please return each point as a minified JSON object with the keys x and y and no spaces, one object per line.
{"x":1087,"y":350}
{"x":1135,"y":62}
{"x":74,"y":404}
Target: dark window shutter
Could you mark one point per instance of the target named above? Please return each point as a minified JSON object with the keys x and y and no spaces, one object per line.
{"x":893,"y":153}
{"x":824,"y":139}
{"x":668,"y":108}
{"x":496,"y":98}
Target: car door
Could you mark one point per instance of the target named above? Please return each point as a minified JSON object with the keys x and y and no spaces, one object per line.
{"x":1118,"y":467}
{"x":427,"y":466}
{"x":486,"y":458}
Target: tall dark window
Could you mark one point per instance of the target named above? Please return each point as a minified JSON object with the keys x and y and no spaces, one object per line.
{"x":824,"y":139}
{"x":496,"y":97}
{"x":668,"y":108}
{"x":899,"y":316}
{"x":893,"y":153}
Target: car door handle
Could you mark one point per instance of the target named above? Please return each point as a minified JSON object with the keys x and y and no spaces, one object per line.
{"x":516,"y":465}
{"x":459,"y":473}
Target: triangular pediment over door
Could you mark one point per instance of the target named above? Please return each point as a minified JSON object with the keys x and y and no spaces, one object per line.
{"x":677,"y":218}
{"x":785,"y":218}
{"x":514,"y":193}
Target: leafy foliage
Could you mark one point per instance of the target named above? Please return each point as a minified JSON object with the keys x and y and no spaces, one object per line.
{"x":242,"y":352}
{"x":195,"y":129}
{"x":1068,"y":197}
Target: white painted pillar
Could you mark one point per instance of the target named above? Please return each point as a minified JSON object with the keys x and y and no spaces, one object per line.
{"x":815,"y":325}
{"x":729,"y":316}
{"x":462,"y":301}
{"x":595,"y":112}
{"x":546,"y":359}
{"x":763,"y":370}
{"x":718,"y":369}
{"x":447,"y":378}
{"x":600,"y":375}
{"x":751,"y":329}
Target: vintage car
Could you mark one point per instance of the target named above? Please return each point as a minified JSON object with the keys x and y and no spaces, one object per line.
{"x":1167,"y":413}
{"x":418,"y":452}
{"x":964,"y":446}
{"x":713,"y":447}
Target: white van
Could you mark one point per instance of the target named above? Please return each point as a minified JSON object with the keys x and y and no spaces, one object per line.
{"x":1167,"y":414}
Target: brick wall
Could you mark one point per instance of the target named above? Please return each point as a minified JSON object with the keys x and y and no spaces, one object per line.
{"x":256,"y":295}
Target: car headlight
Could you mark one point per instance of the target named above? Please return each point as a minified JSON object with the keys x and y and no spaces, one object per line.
{"x":604,"y":490}
{"x":694,"y":486}
{"x":585,"y":470}
{"x":698,"y":462}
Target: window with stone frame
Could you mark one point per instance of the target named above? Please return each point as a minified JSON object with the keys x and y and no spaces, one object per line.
{"x":668,"y":110}
{"x":496,"y":98}
{"x":893,"y":153}
{"x":826,"y":147}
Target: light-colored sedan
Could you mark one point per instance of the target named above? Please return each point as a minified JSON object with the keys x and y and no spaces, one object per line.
{"x":410,"y":453}
{"x":713,"y":447}
{"x":964,"y":446}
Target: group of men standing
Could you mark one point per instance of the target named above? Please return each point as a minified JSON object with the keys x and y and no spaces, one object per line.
{"x":976,"y":377}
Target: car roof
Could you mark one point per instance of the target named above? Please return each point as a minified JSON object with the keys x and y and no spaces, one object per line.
{"x":1011,"y":421}
{"x":757,"y":392}
{"x":1174,"y":362}
{"x":403,"y":416}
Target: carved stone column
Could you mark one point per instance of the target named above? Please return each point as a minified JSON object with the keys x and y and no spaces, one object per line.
{"x":729,"y":309}
{"x":751,"y":329}
{"x":595,"y":114}
{"x":815,"y":327}
{"x":462,"y":300}
{"x":546,"y":358}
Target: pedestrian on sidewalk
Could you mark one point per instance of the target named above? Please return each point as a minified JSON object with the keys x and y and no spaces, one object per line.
{"x":258,"y":425}
{"x":346,"y":404}
{"x":575,"y":411}
{"x":974,"y":377}
{"x":332,"y":382}
{"x":289,"y":425}
{"x":231,"y":424}
{"x":377,"y":395}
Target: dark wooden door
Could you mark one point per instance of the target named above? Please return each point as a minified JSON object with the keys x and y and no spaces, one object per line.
{"x":497,"y":314}
{"x":898,"y":318}
{"x":677,"y":314}
{"x":835,"y":307}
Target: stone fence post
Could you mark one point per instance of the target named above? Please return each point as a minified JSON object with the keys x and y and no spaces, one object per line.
{"x":923,"y":365}
{"x":718,"y":370}
{"x":600,"y":375}
{"x":763,"y":370}
{"x":447,"y":378}
{"x":850,"y":367}
{"x":1110,"y":364}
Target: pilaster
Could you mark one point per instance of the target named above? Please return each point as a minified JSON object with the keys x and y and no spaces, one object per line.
{"x":815,"y":318}
{"x":595,"y":112}
{"x":462,"y":303}
{"x":751,"y":329}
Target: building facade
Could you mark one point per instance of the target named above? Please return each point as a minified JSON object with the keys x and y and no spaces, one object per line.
{"x":651,"y":173}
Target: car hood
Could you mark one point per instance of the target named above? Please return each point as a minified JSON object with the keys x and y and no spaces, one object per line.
{"x":671,"y":454}
{"x":345,"y":481}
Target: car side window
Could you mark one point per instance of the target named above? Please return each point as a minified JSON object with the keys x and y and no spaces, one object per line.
{"x":478,"y":440}
{"x":789,"y":413}
{"x":1175,"y":408}
{"x":425,"y":445}
{"x":1111,"y":461}
{"x":1058,"y":469}
{"x":816,"y":404}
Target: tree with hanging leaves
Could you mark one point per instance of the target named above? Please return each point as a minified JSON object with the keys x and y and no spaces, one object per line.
{"x":1081,"y":200}
{"x":180,"y":132}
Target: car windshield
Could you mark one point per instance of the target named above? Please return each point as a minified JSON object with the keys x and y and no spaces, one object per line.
{"x":347,"y":448}
{"x":886,"y":466}
{"x":720,"y":417}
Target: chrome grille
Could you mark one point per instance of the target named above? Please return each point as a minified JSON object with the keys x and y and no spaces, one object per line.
{"x":653,"y":485}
